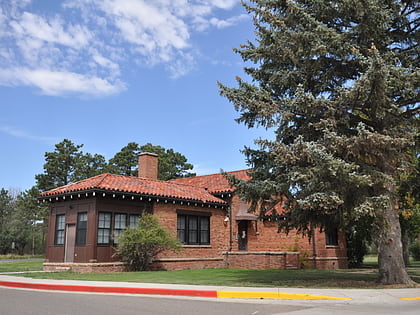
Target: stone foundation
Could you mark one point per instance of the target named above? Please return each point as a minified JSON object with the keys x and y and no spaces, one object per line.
{"x":329,"y":263}
{"x":187,"y":263}
{"x":86,"y":267}
{"x":234,"y":260}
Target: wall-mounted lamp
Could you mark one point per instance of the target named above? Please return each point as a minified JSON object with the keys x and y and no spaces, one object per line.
{"x":225,"y":221}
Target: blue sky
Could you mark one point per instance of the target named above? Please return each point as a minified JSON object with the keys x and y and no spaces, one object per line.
{"x":104,"y":73}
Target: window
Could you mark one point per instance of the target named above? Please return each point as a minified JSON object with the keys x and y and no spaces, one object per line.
{"x":331,"y":237}
{"x":81,"y":229}
{"x":120,"y":223}
{"x":104,"y":228}
{"x":134,"y":221}
{"x":193,"y":229}
{"x":60,"y":223}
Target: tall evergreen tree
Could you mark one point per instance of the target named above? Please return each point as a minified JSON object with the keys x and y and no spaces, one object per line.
{"x":30,"y":222}
{"x":125,"y":162}
{"x":68,"y":164}
{"x":60,"y":166}
{"x":91,"y":165}
{"x":6,"y":211}
{"x":171,"y":164}
{"x":339,"y":83}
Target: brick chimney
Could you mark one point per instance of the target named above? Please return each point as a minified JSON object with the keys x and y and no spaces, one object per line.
{"x":148,"y":165}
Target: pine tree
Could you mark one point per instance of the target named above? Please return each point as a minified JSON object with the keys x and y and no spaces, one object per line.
{"x":68,"y":164}
{"x":171,"y":164}
{"x":125,"y":162}
{"x":60,"y":166}
{"x":338,"y":83}
{"x":6,"y":211}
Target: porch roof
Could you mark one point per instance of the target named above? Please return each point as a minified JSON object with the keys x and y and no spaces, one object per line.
{"x":137,"y":185}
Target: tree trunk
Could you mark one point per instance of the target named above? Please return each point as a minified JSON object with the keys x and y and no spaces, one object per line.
{"x":390,"y":255}
{"x":405,"y":247}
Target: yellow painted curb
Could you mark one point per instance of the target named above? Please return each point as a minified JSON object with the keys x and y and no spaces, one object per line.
{"x":275,"y":295}
{"x":411,"y":299}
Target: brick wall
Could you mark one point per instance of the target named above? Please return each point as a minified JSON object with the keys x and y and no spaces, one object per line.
{"x":263,"y":236}
{"x":262,"y":260}
{"x":266,"y":248}
{"x":187,"y":263}
{"x":219,"y":234}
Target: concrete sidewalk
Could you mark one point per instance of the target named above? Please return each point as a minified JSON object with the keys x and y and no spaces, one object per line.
{"x":210,"y":291}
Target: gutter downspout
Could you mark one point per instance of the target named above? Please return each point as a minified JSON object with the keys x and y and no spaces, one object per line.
{"x":313,"y":247}
{"x":230,"y":236}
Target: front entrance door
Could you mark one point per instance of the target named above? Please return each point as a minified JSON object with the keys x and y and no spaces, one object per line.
{"x":243,"y":235}
{"x":70,"y":242}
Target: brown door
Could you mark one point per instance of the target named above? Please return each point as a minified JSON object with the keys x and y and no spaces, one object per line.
{"x":70,"y":242}
{"x":243,"y":235}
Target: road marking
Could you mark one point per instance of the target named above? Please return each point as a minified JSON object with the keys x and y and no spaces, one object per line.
{"x":276,"y":295}
{"x":411,"y":298}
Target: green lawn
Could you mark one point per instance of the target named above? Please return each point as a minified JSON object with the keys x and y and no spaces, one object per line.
{"x":4,"y":257}
{"x":232,"y":277}
{"x":21,"y":265}
{"x":371,"y":261}
{"x":311,"y":278}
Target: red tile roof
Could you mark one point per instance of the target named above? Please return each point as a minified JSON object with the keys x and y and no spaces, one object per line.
{"x":214,"y":183}
{"x":141,"y":186}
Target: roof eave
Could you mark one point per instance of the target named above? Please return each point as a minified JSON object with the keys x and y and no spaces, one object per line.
{"x":143,"y":197}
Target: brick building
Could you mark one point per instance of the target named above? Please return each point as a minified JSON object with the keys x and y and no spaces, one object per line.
{"x":212,"y":222}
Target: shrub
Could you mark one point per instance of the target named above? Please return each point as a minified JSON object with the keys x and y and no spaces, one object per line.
{"x":137,"y":247}
{"x":415,"y":250}
{"x":356,"y":249}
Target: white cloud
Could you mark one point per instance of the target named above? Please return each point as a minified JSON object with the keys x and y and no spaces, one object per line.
{"x":84,"y":47}
{"x":182,"y":66}
{"x":51,"y":31}
{"x":3,"y":20}
{"x":141,"y":22}
{"x":103,"y":62}
{"x":218,"y":23}
{"x":17,"y":133}
{"x":223,"y":4}
{"x":58,"y":83}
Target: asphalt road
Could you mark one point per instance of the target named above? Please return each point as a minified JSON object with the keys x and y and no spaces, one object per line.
{"x":20,"y":301}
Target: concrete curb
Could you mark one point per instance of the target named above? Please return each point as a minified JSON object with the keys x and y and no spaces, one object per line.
{"x":173,"y":292}
{"x":104,"y":289}
{"x":344,"y":295}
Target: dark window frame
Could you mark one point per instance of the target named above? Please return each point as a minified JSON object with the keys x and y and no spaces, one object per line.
{"x":331,"y":237}
{"x":116,"y":232}
{"x":193,"y":229}
{"x":81,"y":228}
{"x":60,"y":228}
{"x":106,"y":227}
{"x":133,"y":220}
